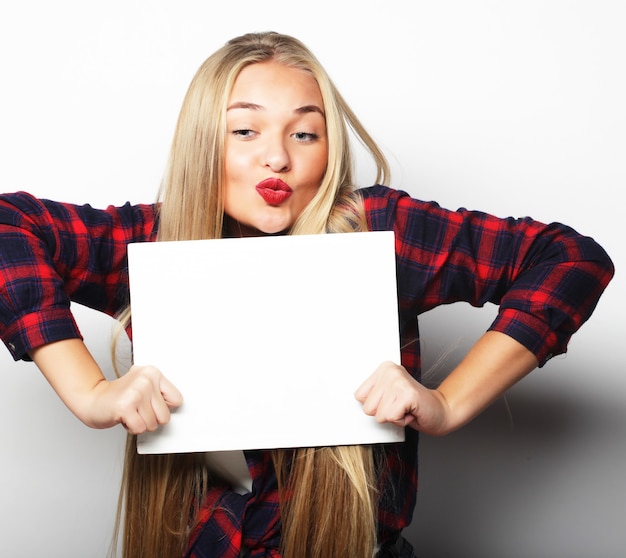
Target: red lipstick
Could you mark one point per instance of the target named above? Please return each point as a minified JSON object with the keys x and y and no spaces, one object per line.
{"x":274,"y":191}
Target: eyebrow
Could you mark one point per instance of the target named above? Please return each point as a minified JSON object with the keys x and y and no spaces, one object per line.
{"x":253,"y":106}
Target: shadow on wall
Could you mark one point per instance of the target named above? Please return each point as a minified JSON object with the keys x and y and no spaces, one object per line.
{"x":526,"y":479}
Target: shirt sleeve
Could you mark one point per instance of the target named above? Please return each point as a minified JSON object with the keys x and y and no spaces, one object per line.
{"x":54,"y":253}
{"x":546,"y":278}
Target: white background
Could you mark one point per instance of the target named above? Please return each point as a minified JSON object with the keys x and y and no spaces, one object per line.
{"x":516,"y":108}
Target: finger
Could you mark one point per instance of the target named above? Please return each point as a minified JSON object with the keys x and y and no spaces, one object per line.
{"x":400,"y":409}
{"x":365,"y":389}
{"x":153,"y":396}
{"x":169,"y":392}
{"x":164,"y":398}
{"x":130,"y":403}
{"x":372,"y":402}
{"x":142,"y":395}
{"x":160,"y":408}
{"x":156,"y":410}
{"x":149,"y":414}
{"x":391,"y":410}
{"x":133,"y":423}
{"x":405,"y":421}
{"x":363,"y":393}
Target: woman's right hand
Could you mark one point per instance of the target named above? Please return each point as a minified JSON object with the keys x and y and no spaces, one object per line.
{"x":140,"y":400}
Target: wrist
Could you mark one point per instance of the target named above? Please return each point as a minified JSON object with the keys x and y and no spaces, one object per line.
{"x":73,"y":374}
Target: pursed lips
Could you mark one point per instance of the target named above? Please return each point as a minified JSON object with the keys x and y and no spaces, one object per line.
{"x":274,"y":191}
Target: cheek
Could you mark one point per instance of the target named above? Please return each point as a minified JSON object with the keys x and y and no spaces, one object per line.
{"x":236,"y":160}
{"x":231,"y":166}
{"x":318,"y":164}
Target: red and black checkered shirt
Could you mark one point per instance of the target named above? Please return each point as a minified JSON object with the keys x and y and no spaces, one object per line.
{"x":546,"y":280}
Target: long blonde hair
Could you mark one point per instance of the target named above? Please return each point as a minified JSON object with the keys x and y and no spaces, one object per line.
{"x":327,"y":495}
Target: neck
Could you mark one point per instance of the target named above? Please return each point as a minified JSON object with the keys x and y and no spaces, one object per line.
{"x":234,"y":229}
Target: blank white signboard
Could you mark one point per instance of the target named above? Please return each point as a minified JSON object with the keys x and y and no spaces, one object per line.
{"x":267,"y":338}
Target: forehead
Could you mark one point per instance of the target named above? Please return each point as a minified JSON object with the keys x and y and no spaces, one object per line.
{"x":271,"y":83}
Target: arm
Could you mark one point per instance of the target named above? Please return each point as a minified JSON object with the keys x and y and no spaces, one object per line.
{"x":547,"y":280}
{"x":493,"y":364}
{"x":140,"y":400}
{"x":51,"y":254}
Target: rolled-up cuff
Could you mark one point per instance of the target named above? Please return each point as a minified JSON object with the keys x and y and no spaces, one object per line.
{"x":40,"y":328}
{"x":530,"y":331}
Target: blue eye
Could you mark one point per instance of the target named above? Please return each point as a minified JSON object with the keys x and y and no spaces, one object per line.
{"x":305,"y":136}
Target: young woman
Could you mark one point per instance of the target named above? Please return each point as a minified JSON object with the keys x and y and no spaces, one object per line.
{"x":262,"y":146}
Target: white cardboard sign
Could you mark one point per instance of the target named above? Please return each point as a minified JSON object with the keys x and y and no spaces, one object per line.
{"x":267,"y":338}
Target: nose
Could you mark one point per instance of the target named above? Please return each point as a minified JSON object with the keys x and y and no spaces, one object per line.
{"x":276,"y":157}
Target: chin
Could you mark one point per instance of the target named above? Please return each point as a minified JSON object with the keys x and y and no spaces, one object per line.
{"x":273,"y":226}
{"x":274,"y":230}
{"x":263,"y":228}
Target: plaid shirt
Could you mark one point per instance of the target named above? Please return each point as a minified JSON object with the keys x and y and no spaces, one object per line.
{"x":546,"y":280}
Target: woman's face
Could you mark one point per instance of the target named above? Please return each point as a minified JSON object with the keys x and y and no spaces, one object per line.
{"x":276,"y":147}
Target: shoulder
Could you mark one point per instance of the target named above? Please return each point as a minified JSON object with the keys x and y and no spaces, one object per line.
{"x":380,"y":192}
{"x":24,"y":210}
{"x":380,"y":204}
{"x":388,"y":208}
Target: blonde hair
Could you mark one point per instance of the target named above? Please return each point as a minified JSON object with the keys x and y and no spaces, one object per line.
{"x":331,"y":506}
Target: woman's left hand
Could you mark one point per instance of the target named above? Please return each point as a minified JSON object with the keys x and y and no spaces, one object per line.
{"x":392,"y":395}
{"x":491,"y":366}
